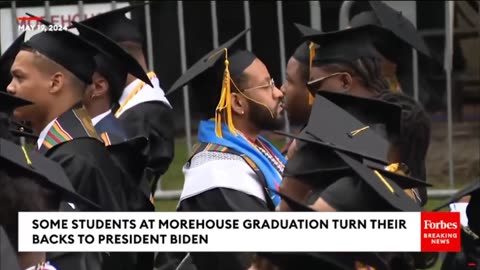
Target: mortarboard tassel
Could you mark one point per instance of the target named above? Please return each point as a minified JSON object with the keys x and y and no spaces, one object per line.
{"x":402,"y":169}
{"x":310,"y":63}
{"x":27,"y":158}
{"x":224,"y":103}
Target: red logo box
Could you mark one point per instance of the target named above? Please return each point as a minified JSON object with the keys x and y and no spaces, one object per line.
{"x":440,"y":232}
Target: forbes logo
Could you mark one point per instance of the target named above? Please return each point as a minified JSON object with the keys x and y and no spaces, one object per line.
{"x":440,"y":232}
{"x":442,"y":225}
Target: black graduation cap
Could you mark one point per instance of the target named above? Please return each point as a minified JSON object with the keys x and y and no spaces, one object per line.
{"x":237,"y":65}
{"x":393,"y":21}
{"x":6,"y":61}
{"x":302,"y":53}
{"x":346,"y":45}
{"x":354,"y":123}
{"x":388,"y":185}
{"x":47,"y":171}
{"x":8,"y":255}
{"x":9,"y":102}
{"x":467,"y":190}
{"x":116,"y":25}
{"x":216,"y":76}
{"x":22,"y":130}
{"x":369,"y":111}
{"x":66,"y":49}
{"x":118,"y":58}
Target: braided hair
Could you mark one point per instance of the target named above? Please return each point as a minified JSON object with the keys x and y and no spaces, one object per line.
{"x":368,"y":69}
{"x":414,"y":138}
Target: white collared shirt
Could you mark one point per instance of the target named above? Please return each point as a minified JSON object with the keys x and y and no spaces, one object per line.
{"x":99,"y":117}
{"x":44,"y":133}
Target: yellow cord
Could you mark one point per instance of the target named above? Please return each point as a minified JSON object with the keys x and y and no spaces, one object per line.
{"x":29,"y":162}
{"x":225,"y":102}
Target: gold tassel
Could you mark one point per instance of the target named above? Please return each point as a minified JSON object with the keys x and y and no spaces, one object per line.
{"x":310,"y":64}
{"x":397,"y":168}
{"x":25,"y":153}
{"x":225,"y":103}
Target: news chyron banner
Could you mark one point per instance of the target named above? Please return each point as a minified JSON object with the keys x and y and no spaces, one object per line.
{"x":239,"y":231}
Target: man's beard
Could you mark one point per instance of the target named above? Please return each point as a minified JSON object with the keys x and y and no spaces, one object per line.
{"x":262,"y":119}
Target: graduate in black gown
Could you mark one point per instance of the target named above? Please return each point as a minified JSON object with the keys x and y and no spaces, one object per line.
{"x":143,"y":109}
{"x":360,"y":176}
{"x":32,"y":182}
{"x":113,"y":66}
{"x":52,"y":70}
{"x":232,"y":164}
{"x":348,"y":62}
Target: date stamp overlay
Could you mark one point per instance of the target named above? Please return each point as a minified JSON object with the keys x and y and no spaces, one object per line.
{"x":34,"y":24}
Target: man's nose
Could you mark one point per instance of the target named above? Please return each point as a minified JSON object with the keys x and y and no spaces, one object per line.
{"x":10,"y":89}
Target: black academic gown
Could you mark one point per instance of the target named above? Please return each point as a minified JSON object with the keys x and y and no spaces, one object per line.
{"x":74,"y":144}
{"x":75,"y":260}
{"x":154,"y":120}
{"x":222,"y":200}
{"x":129,"y":157}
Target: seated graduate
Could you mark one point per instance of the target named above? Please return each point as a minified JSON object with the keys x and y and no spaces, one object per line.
{"x":113,"y":64}
{"x":343,"y":61}
{"x":347,"y":62}
{"x":335,"y":181}
{"x":363,"y":134}
{"x":298,"y":100}
{"x":142,"y":107}
{"x":233,"y":166}
{"x":469,"y":257}
{"x":52,"y":70}
{"x":32,"y":182}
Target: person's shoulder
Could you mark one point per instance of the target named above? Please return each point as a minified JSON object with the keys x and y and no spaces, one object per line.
{"x":149,"y":107}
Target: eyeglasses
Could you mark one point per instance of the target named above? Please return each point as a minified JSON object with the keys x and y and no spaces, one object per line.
{"x":314,"y":85}
{"x":270,"y":84}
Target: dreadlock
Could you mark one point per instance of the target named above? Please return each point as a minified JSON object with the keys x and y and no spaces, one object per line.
{"x":414,"y":138}
{"x":368,"y":69}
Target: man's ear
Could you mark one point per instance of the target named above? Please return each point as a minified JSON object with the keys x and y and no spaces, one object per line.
{"x":100,"y":86}
{"x":57,"y":81}
{"x":347,"y":81}
{"x":239,"y":104}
